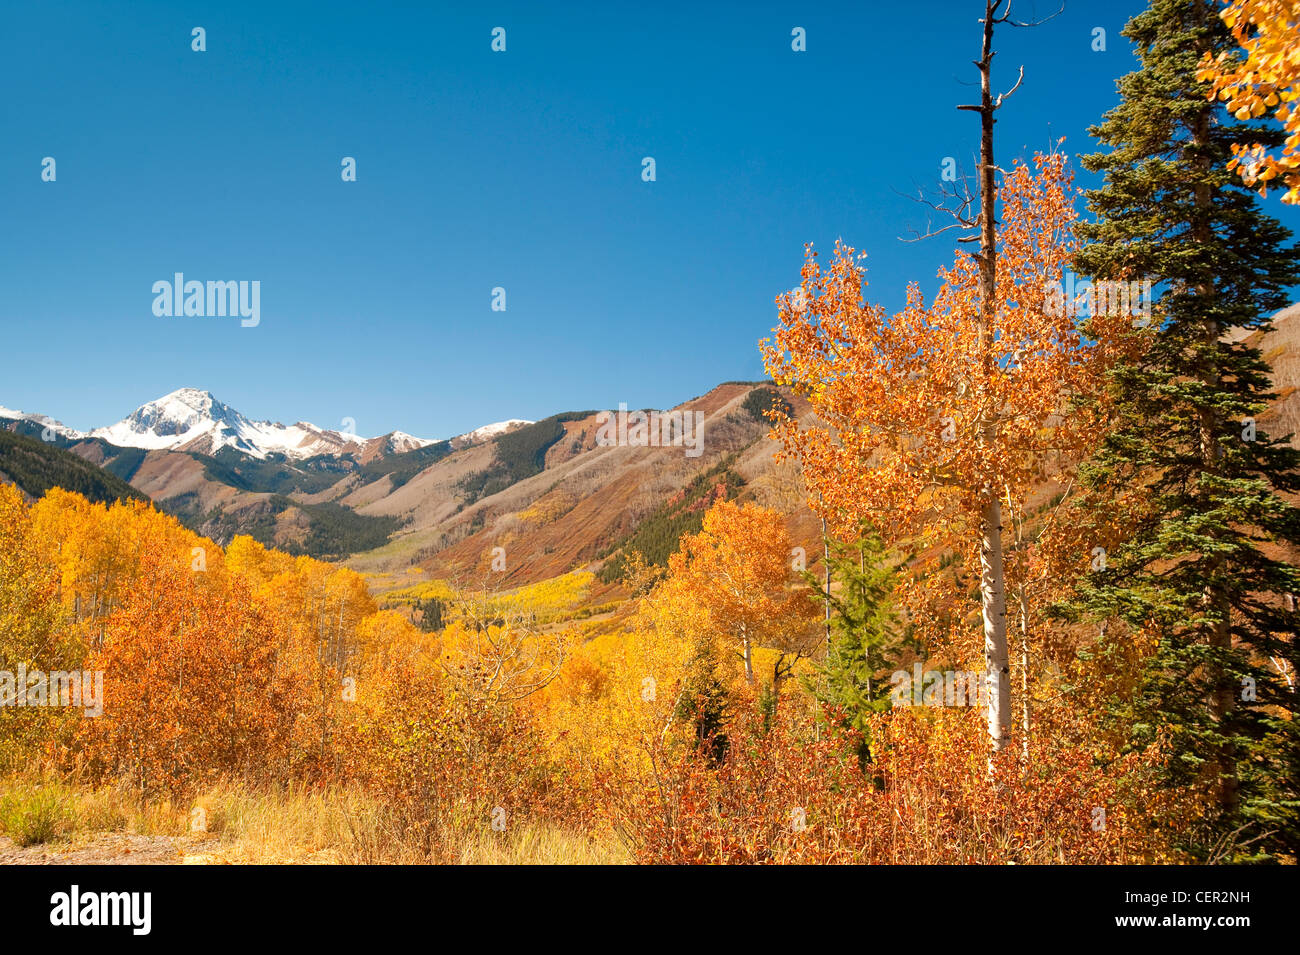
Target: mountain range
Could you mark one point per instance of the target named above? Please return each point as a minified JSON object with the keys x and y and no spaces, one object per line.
{"x":396,"y":502}
{"x":550,"y":493}
{"x":190,"y":419}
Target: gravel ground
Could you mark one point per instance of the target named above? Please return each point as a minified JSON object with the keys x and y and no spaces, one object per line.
{"x":106,"y":849}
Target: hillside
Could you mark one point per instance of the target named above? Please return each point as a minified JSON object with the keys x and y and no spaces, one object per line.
{"x":1281,"y":349}
{"x":545,"y":490}
{"x":35,"y":466}
{"x":586,"y":503}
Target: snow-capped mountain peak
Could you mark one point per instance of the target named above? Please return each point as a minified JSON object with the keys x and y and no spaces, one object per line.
{"x":399,"y":441}
{"x":194,"y":420}
{"x":159,"y":423}
{"x":191,"y":419}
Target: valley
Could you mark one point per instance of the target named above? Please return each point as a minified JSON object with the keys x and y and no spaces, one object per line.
{"x":557,"y":495}
{"x":552,"y":494}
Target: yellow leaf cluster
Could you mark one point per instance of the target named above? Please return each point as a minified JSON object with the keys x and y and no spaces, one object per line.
{"x":1266,"y":80}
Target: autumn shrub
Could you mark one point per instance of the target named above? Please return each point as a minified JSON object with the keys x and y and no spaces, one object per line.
{"x":796,"y":795}
{"x":308,"y":724}
{"x":448,"y":762}
{"x":191,"y":685}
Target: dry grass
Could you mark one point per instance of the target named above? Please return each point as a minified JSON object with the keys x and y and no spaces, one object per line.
{"x":41,"y":810}
{"x":237,"y":824}
{"x":538,"y":844}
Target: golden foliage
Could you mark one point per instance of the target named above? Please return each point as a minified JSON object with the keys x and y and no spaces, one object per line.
{"x":1266,"y":79}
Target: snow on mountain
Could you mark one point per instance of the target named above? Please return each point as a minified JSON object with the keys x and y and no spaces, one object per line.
{"x":193,"y":420}
{"x":400,"y":441}
{"x":489,"y":431}
{"x":58,"y":427}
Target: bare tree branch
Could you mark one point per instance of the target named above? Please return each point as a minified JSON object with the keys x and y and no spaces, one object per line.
{"x":1007,"y":19}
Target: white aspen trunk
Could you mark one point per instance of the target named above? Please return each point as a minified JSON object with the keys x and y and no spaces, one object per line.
{"x":1022,"y":607}
{"x":748,"y":654}
{"x":997,"y":669}
{"x":826,"y":569}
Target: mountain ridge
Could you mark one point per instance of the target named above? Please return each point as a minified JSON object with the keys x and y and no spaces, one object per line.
{"x":399,"y":504}
{"x":193,"y":419}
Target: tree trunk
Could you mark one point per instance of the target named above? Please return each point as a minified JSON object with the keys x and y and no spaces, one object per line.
{"x":826,"y":569}
{"x":1210,"y":424}
{"x":997,"y":669}
{"x":992,"y":578}
{"x":748,"y":653}
{"x":1022,"y":612}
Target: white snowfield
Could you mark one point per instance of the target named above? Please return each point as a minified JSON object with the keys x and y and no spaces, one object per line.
{"x":193,"y":419}
{"x":58,"y":427}
{"x":490,"y":430}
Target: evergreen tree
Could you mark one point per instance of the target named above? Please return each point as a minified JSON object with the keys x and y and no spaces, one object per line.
{"x":1202,"y":569}
{"x":864,"y":640}
{"x":704,"y":703}
{"x":432,"y":614}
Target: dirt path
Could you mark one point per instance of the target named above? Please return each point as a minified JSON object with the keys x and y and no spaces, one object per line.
{"x":107,"y":849}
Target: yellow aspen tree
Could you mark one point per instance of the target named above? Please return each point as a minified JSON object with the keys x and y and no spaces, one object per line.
{"x":1266,"y":80}
{"x":927,"y":421}
{"x":735,"y":583}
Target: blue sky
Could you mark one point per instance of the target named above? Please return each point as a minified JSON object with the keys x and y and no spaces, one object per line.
{"x":476,"y":170}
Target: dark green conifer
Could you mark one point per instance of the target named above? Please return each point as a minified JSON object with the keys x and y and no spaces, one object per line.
{"x":1205,"y":568}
